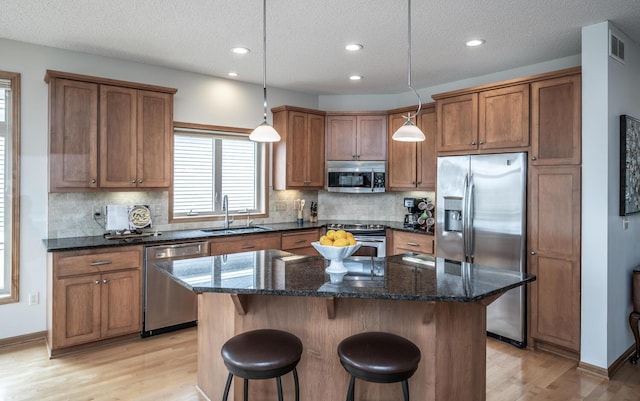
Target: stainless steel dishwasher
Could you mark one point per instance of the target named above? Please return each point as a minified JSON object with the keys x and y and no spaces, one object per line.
{"x":167,"y":305}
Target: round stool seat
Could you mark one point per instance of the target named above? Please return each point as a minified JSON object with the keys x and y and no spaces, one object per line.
{"x":379,"y":357}
{"x":262,"y":354}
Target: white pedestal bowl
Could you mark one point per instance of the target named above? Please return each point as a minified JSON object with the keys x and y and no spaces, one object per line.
{"x":336,"y":269}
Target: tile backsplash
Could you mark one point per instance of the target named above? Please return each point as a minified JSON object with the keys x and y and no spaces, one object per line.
{"x":72,"y":214}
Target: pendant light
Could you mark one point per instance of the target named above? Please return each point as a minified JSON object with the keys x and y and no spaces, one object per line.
{"x":264,"y":132}
{"x":408,"y":132}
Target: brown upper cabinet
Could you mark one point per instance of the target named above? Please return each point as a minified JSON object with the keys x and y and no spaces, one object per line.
{"x":556,"y":127}
{"x":484,"y":120}
{"x":357,"y":137}
{"x":108,"y":134}
{"x":412,"y":165}
{"x":298,"y":158}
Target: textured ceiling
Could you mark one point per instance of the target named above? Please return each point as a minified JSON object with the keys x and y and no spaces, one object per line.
{"x":306,"y":38}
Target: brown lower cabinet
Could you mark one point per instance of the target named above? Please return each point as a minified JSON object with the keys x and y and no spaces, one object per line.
{"x":94,"y":296}
{"x":244,"y":243}
{"x":554,"y":256}
{"x":299,"y":242}
{"x":404,"y":241}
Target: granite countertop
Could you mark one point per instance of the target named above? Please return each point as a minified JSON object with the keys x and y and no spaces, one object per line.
{"x":78,"y":243}
{"x":400,"y":277}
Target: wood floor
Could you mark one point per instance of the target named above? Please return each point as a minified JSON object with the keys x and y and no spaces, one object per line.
{"x":164,"y":368}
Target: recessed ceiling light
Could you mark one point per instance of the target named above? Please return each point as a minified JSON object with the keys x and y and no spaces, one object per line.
{"x":232,"y":74}
{"x":355,"y":77}
{"x":475,"y":42}
{"x":353,"y":47}
{"x":240,"y":50}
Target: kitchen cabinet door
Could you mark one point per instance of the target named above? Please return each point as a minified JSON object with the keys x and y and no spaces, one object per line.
{"x":299,"y":242}
{"x":556,"y":121}
{"x":504,"y":117}
{"x":73,"y":111}
{"x":76,"y":310}
{"x":426,"y":156}
{"x":457,"y":123}
{"x":121,"y":303}
{"x":404,"y":241}
{"x":412,"y":165}
{"x":341,"y":138}
{"x":402,"y":161}
{"x":554,"y":255}
{"x":154,"y":139}
{"x":299,"y":157}
{"x":371,"y":137}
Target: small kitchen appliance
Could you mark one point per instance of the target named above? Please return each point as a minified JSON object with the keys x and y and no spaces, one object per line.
{"x":371,"y":237}
{"x":420,"y":214}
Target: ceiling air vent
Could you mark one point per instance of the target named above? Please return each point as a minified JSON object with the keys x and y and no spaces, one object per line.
{"x":616,"y":47}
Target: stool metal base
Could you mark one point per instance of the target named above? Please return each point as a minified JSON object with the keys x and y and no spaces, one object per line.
{"x":227,"y":387}
{"x":352,"y":385}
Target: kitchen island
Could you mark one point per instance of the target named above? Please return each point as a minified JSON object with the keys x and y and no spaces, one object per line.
{"x":437,"y":304}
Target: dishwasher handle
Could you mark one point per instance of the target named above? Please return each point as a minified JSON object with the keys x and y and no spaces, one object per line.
{"x":177,"y":251}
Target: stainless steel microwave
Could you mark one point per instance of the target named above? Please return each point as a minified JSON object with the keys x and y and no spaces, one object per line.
{"x":356,"y":176}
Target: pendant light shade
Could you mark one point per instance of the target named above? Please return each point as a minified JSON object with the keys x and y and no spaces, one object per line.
{"x":408,"y":132}
{"x":264,"y":132}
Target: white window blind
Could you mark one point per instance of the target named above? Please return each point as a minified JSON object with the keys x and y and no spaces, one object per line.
{"x":209,"y":165}
{"x":5,"y":261}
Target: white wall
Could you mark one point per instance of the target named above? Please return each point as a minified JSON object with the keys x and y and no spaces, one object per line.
{"x":386,"y":101}
{"x":609,"y":253}
{"x":200,"y":99}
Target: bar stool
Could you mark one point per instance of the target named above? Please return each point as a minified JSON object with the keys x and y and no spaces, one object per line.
{"x":262,"y":354}
{"x":379,"y":358}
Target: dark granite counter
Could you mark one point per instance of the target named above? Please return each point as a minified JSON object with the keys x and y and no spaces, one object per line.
{"x":78,"y":243}
{"x":399,"y":277}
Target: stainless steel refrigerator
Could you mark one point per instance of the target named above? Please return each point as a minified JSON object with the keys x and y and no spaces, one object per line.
{"x":481,"y":218}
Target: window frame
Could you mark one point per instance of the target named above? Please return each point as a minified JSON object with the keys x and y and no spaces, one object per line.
{"x":14,"y":292}
{"x":231,"y":130}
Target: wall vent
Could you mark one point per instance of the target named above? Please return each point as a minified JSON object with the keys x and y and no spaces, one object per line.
{"x":616,"y":47}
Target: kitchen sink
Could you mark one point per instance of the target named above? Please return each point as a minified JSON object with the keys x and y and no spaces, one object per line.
{"x":237,"y":230}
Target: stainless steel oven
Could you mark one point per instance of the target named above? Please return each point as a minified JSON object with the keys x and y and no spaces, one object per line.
{"x":372,"y":237}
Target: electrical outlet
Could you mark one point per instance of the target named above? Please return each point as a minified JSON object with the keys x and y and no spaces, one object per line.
{"x":96,"y":211}
{"x":156,"y":210}
{"x":625,"y":223}
{"x":34,"y":299}
{"x":281,"y":206}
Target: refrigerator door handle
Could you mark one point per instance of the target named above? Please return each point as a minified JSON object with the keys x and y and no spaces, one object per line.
{"x":465,"y":215}
{"x":470,"y":212}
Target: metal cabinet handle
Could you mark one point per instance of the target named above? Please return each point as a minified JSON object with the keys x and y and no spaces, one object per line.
{"x":481,"y":142}
{"x":133,"y":181}
{"x":140,"y":181}
{"x":298,"y":241}
{"x":101,"y":262}
{"x":247,"y":246}
{"x":419,"y":182}
{"x":473,"y":142}
{"x":534,"y":158}
{"x":93,"y":181}
{"x":412,"y":244}
{"x":533,"y":252}
{"x":97,"y":281}
{"x":353,"y":157}
{"x":104,"y":281}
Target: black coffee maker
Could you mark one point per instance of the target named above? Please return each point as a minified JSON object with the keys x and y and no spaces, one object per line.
{"x":411,"y":218}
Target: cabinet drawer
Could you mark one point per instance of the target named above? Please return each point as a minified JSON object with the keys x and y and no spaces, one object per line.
{"x":92,"y":261}
{"x":244,"y":243}
{"x":409,"y":242}
{"x":300,"y":239}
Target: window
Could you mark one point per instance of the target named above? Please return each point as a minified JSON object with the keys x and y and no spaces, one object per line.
{"x":210,"y":162}
{"x":9,"y":205}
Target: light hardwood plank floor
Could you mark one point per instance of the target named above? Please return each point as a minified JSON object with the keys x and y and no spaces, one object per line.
{"x":164,"y":368}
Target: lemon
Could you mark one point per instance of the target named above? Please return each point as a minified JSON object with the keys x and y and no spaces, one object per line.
{"x":349,"y":234}
{"x":330,"y":234}
{"x":341,"y":242}
{"x":351,"y":240}
{"x":325,"y":241}
{"x":340,"y":234}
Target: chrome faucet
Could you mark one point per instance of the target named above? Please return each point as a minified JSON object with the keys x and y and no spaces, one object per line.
{"x":225,"y":208}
